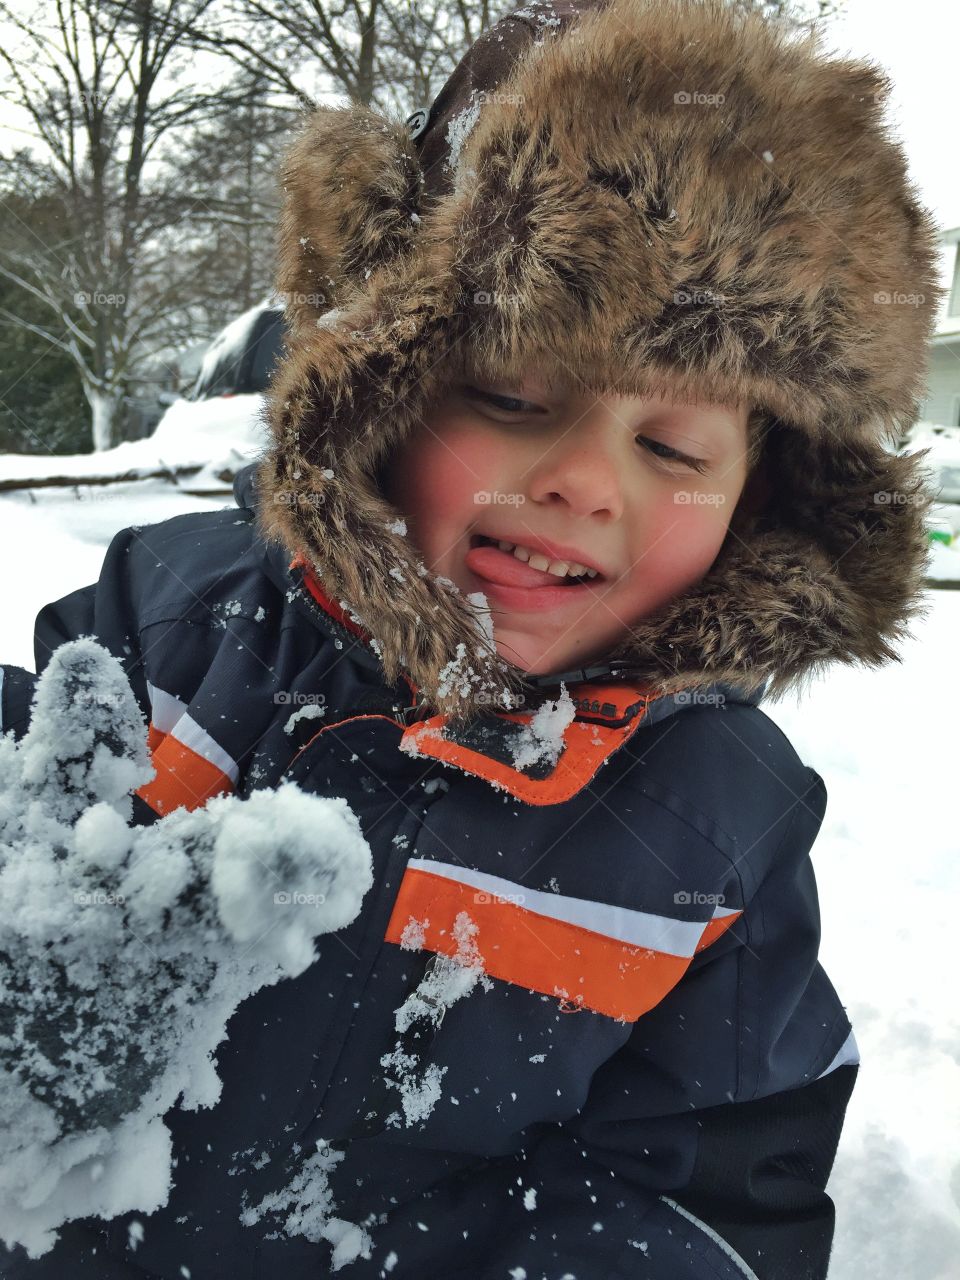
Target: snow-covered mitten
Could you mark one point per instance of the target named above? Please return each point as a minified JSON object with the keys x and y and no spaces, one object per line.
{"x":125,"y":950}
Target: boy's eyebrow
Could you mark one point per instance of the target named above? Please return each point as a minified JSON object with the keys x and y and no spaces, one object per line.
{"x":534,"y":385}
{"x":726,"y":417}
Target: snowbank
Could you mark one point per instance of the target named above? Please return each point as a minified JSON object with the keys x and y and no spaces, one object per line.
{"x":213,"y":434}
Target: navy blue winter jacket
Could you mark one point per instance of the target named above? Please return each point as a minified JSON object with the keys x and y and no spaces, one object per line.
{"x":653,"y":1080}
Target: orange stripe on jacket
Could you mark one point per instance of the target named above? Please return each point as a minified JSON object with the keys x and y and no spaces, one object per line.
{"x":520,"y":946}
{"x":585,"y":748}
{"x":184,"y":779}
{"x":720,"y":924}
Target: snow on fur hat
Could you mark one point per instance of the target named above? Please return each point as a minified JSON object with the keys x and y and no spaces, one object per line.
{"x":585,"y":172}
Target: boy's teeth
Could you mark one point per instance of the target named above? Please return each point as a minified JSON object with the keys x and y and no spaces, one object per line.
{"x":560,"y":568}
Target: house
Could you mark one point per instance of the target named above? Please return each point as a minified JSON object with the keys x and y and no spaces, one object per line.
{"x":942,"y":406}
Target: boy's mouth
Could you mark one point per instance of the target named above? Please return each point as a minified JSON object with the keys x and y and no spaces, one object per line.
{"x":513,"y":565}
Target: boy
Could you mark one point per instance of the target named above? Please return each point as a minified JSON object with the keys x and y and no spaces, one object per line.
{"x":616,"y":301}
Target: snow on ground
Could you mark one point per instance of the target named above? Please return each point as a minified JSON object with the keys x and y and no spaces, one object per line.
{"x":889,"y":879}
{"x":886,"y":863}
{"x":55,"y":543}
{"x":225,"y":430}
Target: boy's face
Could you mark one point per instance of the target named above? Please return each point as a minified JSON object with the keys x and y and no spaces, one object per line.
{"x":569,"y":479}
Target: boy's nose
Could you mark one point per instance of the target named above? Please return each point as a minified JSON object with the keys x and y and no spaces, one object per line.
{"x":584,"y":467}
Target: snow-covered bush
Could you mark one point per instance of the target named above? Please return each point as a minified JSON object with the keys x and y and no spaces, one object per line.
{"x":125,"y":950}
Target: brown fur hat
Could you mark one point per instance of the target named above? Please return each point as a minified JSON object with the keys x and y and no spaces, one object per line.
{"x":620,"y":191}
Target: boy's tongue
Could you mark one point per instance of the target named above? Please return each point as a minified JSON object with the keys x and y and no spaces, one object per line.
{"x":504,"y":568}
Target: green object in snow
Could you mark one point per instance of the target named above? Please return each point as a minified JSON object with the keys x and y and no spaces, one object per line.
{"x":940,"y":535}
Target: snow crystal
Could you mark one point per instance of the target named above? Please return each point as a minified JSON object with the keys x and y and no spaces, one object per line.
{"x":483,"y":617}
{"x":398,"y":526}
{"x":99,"y":920}
{"x":412,"y":937}
{"x":447,"y":979}
{"x":312,"y":711}
{"x":309,"y":1205}
{"x":768,"y":156}
{"x":330,"y":319}
{"x":459,"y":129}
{"x":542,"y":738}
{"x":459,"y":677}
{"x":326,"y":473}
{"x":260,"y":614}
{"x":390,"y":1261}
{"x":530,"y":1198}
{"x":396,"y":574}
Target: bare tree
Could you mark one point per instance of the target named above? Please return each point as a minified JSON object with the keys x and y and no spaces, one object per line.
{"x":801,"y":14}
{"x":387,"y":54}
{"x":99,"y":83}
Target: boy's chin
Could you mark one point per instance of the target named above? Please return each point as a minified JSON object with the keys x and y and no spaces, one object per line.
{"x":535,"y":658}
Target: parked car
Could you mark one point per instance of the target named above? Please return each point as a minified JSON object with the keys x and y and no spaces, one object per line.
{"x":222,"y":413}
{"x":241,"y":358}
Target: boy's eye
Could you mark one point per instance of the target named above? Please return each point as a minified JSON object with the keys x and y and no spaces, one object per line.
{"x":671,"y":454}
{"x":507,"y":403}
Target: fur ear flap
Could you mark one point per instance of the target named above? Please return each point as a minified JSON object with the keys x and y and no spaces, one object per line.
{"x":352,"y":186}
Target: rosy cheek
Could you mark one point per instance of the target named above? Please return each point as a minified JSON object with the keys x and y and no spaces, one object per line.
{"x":439,"y":476}
{"x":681,"y":542}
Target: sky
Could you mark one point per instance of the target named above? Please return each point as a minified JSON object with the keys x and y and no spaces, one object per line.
{"x":918,"y":44}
